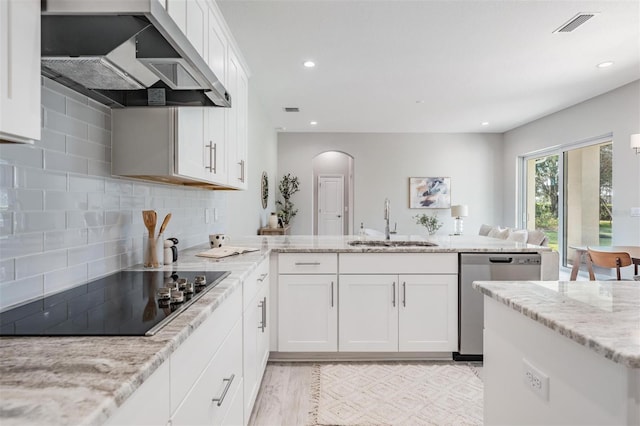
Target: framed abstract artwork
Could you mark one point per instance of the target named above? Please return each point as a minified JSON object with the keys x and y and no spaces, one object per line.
{"x":429,"y":192}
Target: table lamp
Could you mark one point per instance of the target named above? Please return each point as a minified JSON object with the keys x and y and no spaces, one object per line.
{"x":459,"y":212}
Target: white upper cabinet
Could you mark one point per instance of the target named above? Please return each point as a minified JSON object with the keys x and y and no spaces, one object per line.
{"x":196,"y":29}
{"x":216,"y":56}
{"x":237,"y":122}
{"x":177,"y":9}
{"x":19,"y":70}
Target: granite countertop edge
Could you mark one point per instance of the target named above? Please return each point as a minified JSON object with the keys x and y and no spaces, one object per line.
{"x":629,"y":358}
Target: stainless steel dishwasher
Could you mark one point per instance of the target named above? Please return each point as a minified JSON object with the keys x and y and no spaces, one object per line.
{"x":486,"y":267}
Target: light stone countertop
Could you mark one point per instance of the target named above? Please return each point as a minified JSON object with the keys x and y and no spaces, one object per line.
{"x":82,"y":380}
{"x":603,"y":316}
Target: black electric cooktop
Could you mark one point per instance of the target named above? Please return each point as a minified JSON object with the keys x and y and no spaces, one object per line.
{"x":126,"y":303}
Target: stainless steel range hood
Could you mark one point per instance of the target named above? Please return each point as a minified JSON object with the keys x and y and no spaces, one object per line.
{"x":125,"y":53}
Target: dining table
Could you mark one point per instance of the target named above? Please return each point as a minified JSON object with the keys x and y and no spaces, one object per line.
{"x":580,"y":251}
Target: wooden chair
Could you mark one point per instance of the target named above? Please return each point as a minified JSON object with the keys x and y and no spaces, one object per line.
{"x":608,"y":259}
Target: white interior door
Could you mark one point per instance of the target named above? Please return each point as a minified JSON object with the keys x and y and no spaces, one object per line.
{"x":330,"y":205}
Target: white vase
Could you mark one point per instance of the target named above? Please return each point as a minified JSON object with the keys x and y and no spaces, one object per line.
{"x":273,"y":220}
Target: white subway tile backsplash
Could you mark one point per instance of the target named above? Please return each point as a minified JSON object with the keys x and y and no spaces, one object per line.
{"x":64,"y":124}
{"x":7,"y":270}
{"x":84,"y":114}
{"x":100,"y":135}
{"x":87,"y":219}
{"x":63,"y":279}
{"x":17,"y":292}
{"x":52,"y":141}
{"x":25,"y":222}
{"x":86,"y":254}
{"x":64,"y":219}
{"x":58,"y":200}
{"x":6,"y":176}
{"x":18,"y":199}
{"x":53,"y":100}
{"x":55,"y":240}
{"x":64,"y":162}
{"x":21,"y":245}
{"x":20,"y":155}
{"x":103,"y":267}
{"x":86,"y":149}
{"x":40,"y":179}
{"x":100,"y":201}
{"x":39,"y":264}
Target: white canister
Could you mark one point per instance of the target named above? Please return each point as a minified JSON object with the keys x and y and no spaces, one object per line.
{"x":273,"y":221}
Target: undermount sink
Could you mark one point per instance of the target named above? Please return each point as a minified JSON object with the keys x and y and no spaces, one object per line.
{"x":384,"y":243}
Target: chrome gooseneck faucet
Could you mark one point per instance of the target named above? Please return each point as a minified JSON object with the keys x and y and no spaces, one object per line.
{"x":387,"y":235}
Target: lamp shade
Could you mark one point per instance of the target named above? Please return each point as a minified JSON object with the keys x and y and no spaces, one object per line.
{"x":461,"y":210}
{"x":635,"y":141}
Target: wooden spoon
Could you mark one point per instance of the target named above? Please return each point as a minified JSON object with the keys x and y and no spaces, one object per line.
{"x":165,"y":222}
{"x":150,"y":218}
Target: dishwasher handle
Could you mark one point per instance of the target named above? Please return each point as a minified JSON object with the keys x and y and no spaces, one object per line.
{"x":500,"y":259}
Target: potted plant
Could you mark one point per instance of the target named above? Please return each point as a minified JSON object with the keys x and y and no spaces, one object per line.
{"x":430,"y":222}
{"x":288,"y":186}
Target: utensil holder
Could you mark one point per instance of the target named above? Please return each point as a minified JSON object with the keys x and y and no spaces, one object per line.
{"x":152,"y":247}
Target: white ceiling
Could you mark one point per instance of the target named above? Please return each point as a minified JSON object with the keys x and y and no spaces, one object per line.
{"x":468,"y":61}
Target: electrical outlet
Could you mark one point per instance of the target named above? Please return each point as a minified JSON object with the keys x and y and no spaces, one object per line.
{"x":215,"y":214}
{"x":207,"y":216}
{"x":535,"y":380}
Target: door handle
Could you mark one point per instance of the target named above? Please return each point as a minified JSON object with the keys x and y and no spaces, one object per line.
{"x":224,"y":392}
{"x":404,"y":294}
{"x":332,"y":294}
{"x":393,"y":293}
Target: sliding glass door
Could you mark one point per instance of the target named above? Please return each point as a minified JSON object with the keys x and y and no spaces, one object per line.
{"x":567,"y":194}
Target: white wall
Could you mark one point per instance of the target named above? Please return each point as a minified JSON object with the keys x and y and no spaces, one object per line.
{"x":383,"y":164}
{"x":616,"y":112}
{"x":244,"y":208}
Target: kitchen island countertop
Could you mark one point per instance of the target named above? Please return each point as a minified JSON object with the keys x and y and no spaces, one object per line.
{"x":83,"y":380}
{"x":603,"y":316}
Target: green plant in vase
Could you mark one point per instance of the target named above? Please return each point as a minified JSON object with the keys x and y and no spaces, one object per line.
{"x":288,"y":186}
{"x":431,"y":222}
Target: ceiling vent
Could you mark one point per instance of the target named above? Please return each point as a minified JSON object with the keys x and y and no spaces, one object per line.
{"x":291,"y":109}
{"x":575,"y":22}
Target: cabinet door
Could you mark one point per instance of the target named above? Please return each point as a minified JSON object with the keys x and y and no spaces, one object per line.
{"x":251,"y":320}
{"x":215,"y":148}
{"x":216,"y":49}
{"x":428,"y":313}
{"x":192,"y":155}
{"x":20,"y":70}
{"x":196,"y":28}
{"x":177,"y":10}
{"x":237,"y":122}
{"x":368,"y":313}
{"x":307,"y":313}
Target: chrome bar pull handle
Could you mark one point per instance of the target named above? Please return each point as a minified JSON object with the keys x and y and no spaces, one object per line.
{"x":261,"y":306}
{"x":210,"y":167}
{"x":332,"y":294}
{"x":224,"y":392}
{"x":307,"y":263}
{"x":215,"y":158}
{"x":241,"y":163}
{"x":404,"y":294}
{"x":393,"y":293}
{"x":264,"y":313}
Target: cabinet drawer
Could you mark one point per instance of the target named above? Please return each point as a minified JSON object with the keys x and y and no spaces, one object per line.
{"x":254,"y":282}
{"x":211,"y":397}
{"x":307,"y":263}
{"x":398,"y":263}
{"x":192,"y":356}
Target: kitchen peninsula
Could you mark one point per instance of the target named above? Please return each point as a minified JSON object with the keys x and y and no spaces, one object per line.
{"x":562,"y":352}
{"x":89,"y":380}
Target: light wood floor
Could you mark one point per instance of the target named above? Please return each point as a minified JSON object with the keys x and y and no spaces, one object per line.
{"x":284,"y":396}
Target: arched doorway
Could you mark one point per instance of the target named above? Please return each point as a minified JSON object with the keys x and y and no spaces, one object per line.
{"x":333,"y":193}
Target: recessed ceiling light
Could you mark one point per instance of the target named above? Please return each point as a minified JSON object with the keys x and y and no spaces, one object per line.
{"x":313,"y":123}
{"x":484,"y":123}
{"x":605,"y":64}
{"x":309,"y":64}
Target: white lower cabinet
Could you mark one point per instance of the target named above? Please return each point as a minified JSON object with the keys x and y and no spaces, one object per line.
{"x":390,"y":311}
{"x":212,"y":396}
{"x":255,"y":333}
{"x":307,"y":313}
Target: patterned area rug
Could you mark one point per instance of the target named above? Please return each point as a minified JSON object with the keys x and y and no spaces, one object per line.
{"x":393,"y":393}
